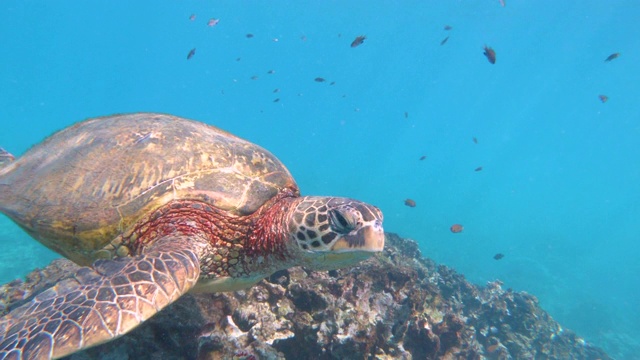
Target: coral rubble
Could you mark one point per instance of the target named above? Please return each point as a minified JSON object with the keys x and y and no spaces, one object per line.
{"x":397,"y":305}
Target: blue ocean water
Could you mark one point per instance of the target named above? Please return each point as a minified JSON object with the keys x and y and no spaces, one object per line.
{"x":559,"y":189}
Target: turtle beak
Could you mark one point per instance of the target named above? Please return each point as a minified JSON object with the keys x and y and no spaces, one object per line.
{"x":351,"y":249}
{"x":367,"y":239}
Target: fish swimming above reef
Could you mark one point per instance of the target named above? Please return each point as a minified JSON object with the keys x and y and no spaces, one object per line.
{"x":490,"y":54}
{"x":191,"y":53}
{"x":612,"y":57}
{"x":358,"y":41}
{"x":410,"y":203}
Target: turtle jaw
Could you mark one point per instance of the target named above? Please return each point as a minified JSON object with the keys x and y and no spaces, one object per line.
{"x":369,"y":239}
{"x":350,"y":249}
{"x":337,"y":260}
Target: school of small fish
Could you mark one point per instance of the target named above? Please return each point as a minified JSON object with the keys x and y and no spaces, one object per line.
{"x":358,"y":41}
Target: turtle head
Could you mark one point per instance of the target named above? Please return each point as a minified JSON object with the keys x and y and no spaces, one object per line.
{"x":335,"y":232}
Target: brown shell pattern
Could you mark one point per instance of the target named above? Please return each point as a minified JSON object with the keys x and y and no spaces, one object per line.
{"x":88,"y":183}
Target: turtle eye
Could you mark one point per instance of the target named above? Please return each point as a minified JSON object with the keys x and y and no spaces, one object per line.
{"x":341,"y":222}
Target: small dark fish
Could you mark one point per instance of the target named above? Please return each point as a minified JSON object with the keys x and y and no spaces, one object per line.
{"x":456,"y":228}
{"x":410,"y":203}
{"x":423,"y":157}
{"x":237,"y":59}
{"x":406,"y":115}
{"x":254,"y":77}
{"x":249,"y":36}
{"x":444,"y":41}
{"x":191,"y":53}
{"x":475,"y":141}
{"x":603,"y":98}
{"x":612,"y":57}
{"x":276,"y":90}
{"x":490,"y":54}
{"x":447,"y":27}
{"x":479,"y":168}
{"x":498,"y":256}
{"x":358,"y":41}
{"x":332,"y":83}
{"x":319,"y":79}
{"x":271,"y":72}
{"x":276,"y":100}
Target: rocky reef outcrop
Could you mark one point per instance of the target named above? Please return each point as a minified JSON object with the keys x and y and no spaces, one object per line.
{"x":397,"y":305}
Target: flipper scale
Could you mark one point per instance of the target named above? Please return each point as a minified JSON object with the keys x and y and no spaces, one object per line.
{"x":99,"y":303}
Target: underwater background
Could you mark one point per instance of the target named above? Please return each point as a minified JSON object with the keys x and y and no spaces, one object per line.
{"x":525,"y":153}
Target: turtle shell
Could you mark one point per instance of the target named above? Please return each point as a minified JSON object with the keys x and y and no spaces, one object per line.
{"x":88,"y":183}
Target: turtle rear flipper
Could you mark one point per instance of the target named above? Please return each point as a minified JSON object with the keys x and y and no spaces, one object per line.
{"x":102,"y":302}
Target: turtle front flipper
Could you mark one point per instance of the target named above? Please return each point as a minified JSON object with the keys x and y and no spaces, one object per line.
{"x":102,"y":302}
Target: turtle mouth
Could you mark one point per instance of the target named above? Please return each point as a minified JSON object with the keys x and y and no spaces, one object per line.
{"x":330,"y":260}
{"x":349,"y":249}
{"x":369,"y":239}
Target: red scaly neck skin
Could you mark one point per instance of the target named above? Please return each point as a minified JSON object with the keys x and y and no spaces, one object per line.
{"x":269,"y":232}
{"x":234,"y":240}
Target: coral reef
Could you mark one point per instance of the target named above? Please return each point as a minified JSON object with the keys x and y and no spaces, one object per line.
{"x":397,"y":305}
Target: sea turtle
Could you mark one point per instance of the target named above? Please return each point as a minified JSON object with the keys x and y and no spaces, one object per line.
{"x":155,"y":206}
